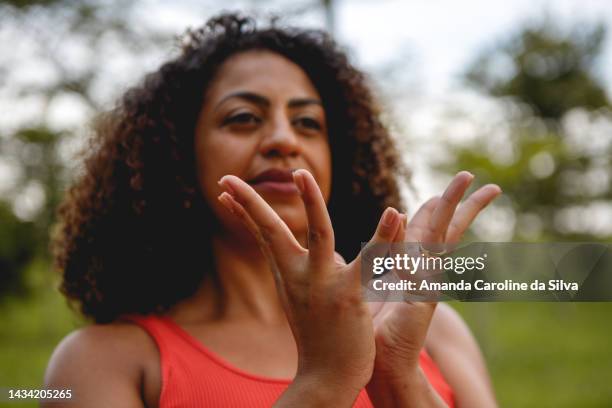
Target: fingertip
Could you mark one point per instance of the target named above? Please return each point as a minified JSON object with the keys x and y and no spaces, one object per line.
{"x":305,"y":175}
{"x":492,"y":189}
{"x":301,"y":172}
{"x":225,"y":183}
{"x":388,"y":225}
{"x":389,"y":217}
{"x":227,"y":201}
{"x":224,"y":196}
{"x":308,"y":187}
{"x":224,"y":179}
{"x":403,"y":224}
{"x":298,"y":179}
{"x":466,"y":174}
{"x":498,"y":190}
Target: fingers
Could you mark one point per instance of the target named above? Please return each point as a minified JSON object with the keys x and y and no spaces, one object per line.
{"x":401,"y":231}
{"x":388,"y":226}
{"x":263,"y":221}
{"x":386,"y":232}
{"x":238,"y":210}
{"x":259,"y":218}
{"x":420,"y":221}
{"x":443,"y":213}
{"x":469,"y":209}
{"x":320,"y":232}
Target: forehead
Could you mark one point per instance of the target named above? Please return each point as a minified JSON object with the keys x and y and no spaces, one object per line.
{"x":263,"y":72}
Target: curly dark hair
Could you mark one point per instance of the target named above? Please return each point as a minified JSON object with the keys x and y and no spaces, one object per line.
{"x":134,"y":230}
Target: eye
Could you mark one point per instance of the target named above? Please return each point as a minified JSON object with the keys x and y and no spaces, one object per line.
{"x":308,"y":123}
{"x":243,"y":118}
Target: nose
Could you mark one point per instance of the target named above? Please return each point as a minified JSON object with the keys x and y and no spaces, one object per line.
{"x":280,"y":140}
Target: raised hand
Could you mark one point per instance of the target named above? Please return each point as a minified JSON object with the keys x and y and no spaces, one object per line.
{"x":400,"y":328}
{"x":321,"y":295}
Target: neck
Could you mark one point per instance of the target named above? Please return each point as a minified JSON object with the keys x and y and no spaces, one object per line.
{"x":243,"y":287}
{"x":245,"y":281}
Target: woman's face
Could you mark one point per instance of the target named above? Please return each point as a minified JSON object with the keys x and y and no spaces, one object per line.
{"x":261,"y":118}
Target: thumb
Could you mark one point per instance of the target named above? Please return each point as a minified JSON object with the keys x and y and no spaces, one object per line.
{"x":388,"y":226}
{"x":386,"y":232}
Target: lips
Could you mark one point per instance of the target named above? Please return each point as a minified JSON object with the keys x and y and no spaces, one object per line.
{"x":274,"y":180}
{"x":274,"y":175}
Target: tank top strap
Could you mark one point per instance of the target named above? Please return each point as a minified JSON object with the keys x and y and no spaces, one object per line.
{"x":155,"y":328}
{"x":166,"y":341}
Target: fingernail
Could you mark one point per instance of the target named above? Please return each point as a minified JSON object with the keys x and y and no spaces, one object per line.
{"x":497,"y":188}
{"x":465,"y":172}
{"x":299,"y":181}
{"x":388,"y":217}
{"x":224,"y":184}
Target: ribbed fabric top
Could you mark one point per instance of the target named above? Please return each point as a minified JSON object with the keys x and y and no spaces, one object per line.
{"x":194,"y":376}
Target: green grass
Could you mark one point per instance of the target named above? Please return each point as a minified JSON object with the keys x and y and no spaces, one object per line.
{"x":30,"y":328}
{"x":546,"y":354}
{"x":539,"y":354}
{"x":29,"y":331}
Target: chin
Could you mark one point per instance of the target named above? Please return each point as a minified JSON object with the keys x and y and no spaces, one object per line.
{"x":294,"y":216}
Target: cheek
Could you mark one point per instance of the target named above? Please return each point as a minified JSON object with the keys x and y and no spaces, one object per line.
{"x":326,"y":181}
{"x":321,"y":165}
{"x":216,"y":157}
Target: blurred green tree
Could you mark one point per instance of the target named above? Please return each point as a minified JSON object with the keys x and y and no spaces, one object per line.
{"x":557,"y":186}
{"x":551,"y":71}
{"x":59,"y":56}
{"x":24,"y":239}
{"x":16,"y":250}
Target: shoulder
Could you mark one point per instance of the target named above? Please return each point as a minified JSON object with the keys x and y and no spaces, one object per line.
{"x":450,"y":336}
{"x":457,"y":354}
{"x":448,"y":328}
{"x":102,"y":364}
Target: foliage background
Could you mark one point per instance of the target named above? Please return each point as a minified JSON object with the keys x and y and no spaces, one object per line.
{"x":535,"y":118}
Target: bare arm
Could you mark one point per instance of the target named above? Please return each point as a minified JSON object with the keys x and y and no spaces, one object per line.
{"x":451,"y":344}
{"x":457,"y":354}
{"x":98,"y":364}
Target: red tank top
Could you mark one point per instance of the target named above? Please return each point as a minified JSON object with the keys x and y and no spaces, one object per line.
{"x":193,"y":376}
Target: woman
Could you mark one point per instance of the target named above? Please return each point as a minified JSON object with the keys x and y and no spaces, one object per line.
{"x":199,"y":240}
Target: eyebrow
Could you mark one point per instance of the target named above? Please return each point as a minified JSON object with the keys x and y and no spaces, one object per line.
{"x":265,"y":102}
{"x":299,"y":102}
